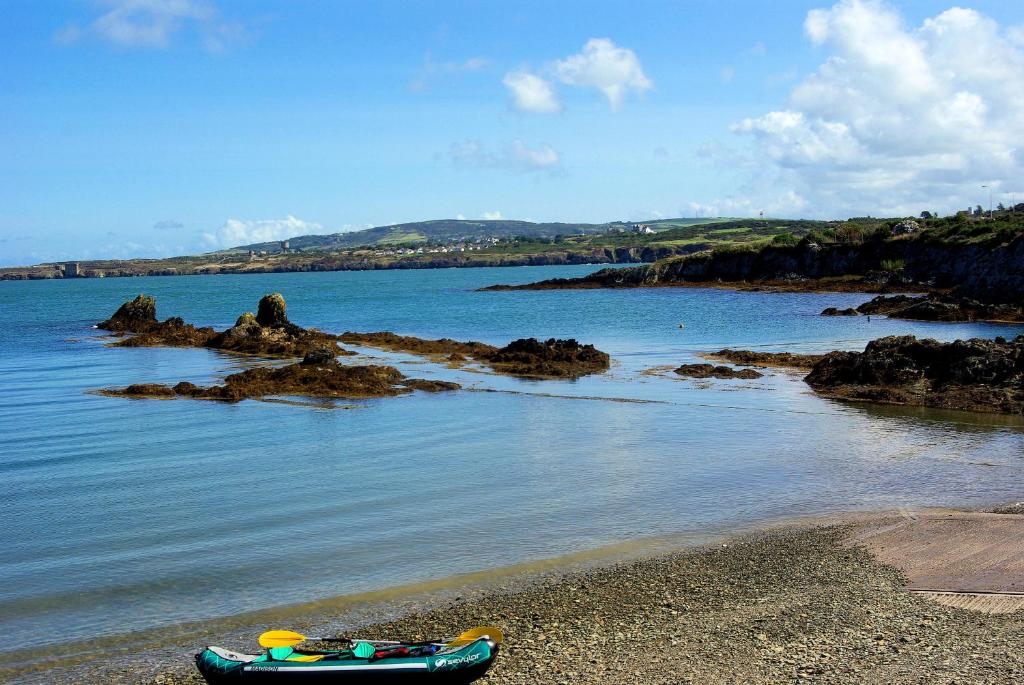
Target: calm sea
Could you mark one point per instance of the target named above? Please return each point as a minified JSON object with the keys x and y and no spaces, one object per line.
{"x":123,"y":515}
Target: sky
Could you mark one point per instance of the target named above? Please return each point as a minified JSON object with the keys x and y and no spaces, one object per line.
{"x":136,"y":128}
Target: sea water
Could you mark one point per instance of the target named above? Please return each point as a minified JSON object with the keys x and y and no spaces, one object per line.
{"x":121,"y":515}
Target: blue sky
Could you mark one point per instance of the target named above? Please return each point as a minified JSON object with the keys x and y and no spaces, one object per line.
{"x":160,"y":127}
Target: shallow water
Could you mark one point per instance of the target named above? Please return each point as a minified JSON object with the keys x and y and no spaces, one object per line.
{"x":123,"y":515}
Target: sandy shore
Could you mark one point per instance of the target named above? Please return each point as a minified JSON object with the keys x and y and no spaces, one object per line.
{"x":807,"y":603}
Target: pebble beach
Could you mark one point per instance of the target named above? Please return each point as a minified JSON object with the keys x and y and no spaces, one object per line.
{"x":798,"y":604}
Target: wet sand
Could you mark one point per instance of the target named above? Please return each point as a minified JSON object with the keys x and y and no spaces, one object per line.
{"x":808,"y":602}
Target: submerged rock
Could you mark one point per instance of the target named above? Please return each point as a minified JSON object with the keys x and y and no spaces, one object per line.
{"x":711,"y":371}
{"x":134,"y":316}
{"x":832,"y":311}
{"x":763,"y":359}
{"x":320,"y":379}
{"x":973,"y":375}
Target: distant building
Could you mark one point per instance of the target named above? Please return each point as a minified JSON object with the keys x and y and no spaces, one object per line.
{"x":284,"y":246}
{"x":71,"y":269}
{"x":252,"y":255}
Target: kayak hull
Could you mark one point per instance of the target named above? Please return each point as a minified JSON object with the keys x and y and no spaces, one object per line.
{"x":459,"y":666}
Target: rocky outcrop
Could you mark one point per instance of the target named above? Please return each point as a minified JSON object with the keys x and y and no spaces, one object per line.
{"x":941,"y":307}
{"x":268,"y":333}
{"x":272,"y":311}
{"x":832,"y":311}
{"x":531,"y":358}
{"x":134,"y":316}
{"x":712,"y":371}
{"x":973,"y":375}
{"x":317,"y":375}
{"x":526,"y":357}
{"x":765,"y":359}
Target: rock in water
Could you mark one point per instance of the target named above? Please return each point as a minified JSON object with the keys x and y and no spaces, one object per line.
{"x":974,"y":375}
{"x":134,"y":316}
{"x":318,"y":355}
{"x":271,"y":311}
{"x":553,"y":358}
{"x":711,"y":371}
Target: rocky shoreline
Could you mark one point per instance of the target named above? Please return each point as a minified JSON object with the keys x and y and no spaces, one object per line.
{"x":799,"y":604}
{"x":933,"y":307}
{"x":965,"y":280}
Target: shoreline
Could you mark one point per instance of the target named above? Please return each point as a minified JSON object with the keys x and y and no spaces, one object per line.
{"x":595,"y":600}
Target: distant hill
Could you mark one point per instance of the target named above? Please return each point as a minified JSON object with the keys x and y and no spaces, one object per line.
{"x":449,"y":230}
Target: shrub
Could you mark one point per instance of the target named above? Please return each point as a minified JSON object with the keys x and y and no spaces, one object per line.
{"x":785,"y":239}
{"x":893,"y":264}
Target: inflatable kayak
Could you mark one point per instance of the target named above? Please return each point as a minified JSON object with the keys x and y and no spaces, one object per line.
{"x":362,"y":662}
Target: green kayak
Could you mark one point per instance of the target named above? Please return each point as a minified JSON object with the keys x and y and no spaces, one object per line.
{"x":362,"y":662}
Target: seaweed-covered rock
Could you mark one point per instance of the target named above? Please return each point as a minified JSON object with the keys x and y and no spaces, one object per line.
{"x":712,"y":371}
{"x":763,"y":359}
{"x":975,"y":374}
{"x":134,"y":316}
{"x":530,"y":357}
{"x":328,"y":379}
{"x":833,"y":311}
{"x":526,"y":357}
{"x":278,"y":337}
{"x":318,"y":355}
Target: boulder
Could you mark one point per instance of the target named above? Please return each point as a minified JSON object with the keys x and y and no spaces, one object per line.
{"x":134,"y":316}
{"x":272,"y":311}
{"x":907,"y":227}
{"x":832,"y":311}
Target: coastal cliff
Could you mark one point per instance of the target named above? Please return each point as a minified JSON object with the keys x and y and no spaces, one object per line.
{"x":989,"y":270}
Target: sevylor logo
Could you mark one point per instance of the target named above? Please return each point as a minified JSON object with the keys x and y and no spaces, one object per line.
{"x":455,"y":661}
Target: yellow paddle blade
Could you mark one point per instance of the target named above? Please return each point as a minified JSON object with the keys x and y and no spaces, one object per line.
{"x":280,"y":638}
{"x":305,"y":657}
{"x":473,"y":634}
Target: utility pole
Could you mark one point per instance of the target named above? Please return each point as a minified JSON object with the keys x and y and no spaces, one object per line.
{"x":990,"y":217}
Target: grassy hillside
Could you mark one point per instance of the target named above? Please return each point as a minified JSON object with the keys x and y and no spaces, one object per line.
{"x":452,"y":230}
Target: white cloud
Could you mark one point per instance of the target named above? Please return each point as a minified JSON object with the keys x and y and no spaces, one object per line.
{"x":727,"y":74}
{"x":896,"y":118}
{"x":517,"y":155}
{"x":153,"y":23}
{"x":235,"y":232}
{"x":603,"y":65}
{"x":492,"y":216}
{"x":531,"y":93}
{"x":168,"y":225}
